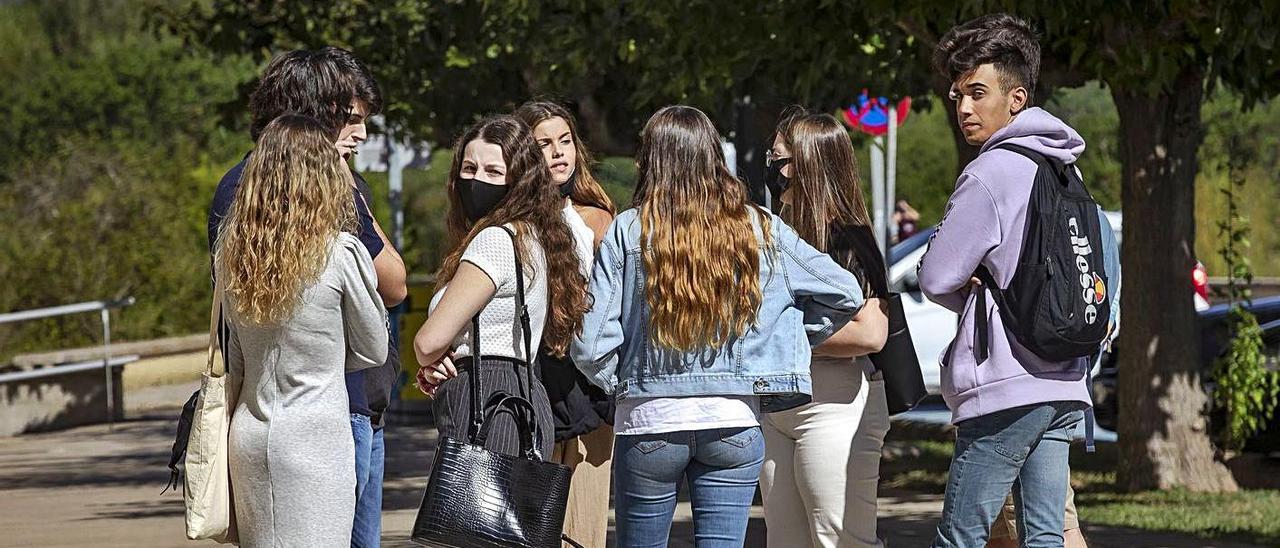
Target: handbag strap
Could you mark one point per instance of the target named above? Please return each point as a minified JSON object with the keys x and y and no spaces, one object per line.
{"x":474,"y":382}
{"x":526,"y":386}
{"x":215,"y":317}
{"x":523,"y":313}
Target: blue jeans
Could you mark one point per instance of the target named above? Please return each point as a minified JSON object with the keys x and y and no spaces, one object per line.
{"x":1024,"y":448}
{"x":370,"y":452}
{"x":722,"y":466}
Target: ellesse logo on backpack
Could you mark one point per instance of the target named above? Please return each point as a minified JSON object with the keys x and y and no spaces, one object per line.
{"x":1093,"y":290}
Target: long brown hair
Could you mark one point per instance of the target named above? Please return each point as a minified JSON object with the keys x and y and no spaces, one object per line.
{"x":534,"y":206}
{"x":825,"y":190}
{"x":702,"y":259}
{"x":587,"y":191}
{"x":293,"y":199}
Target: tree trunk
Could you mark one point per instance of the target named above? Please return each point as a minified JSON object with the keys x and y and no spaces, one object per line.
{"x":755,"y":117}
{"x":1164,"y":438}
{"x":593,"y":120}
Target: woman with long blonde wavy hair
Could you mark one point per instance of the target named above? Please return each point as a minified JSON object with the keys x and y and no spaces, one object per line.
{"x":301,"y":309}
{"x":704,"y":308}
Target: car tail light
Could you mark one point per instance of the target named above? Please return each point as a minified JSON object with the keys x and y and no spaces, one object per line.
{"x":1200,"y":280}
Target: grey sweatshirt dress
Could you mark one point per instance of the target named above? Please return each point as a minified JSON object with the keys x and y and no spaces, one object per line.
{"x":291,"y":454}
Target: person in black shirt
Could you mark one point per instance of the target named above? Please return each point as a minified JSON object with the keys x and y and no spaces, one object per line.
{"x":333,"y":86}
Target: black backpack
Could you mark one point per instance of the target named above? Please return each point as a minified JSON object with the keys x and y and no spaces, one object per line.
{"x":1056,"y":304}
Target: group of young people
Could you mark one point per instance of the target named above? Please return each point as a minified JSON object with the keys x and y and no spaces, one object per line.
{"x":694,"y":338}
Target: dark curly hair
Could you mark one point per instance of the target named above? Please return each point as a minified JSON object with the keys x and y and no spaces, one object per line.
{"x":1007,"y":42}
{"x":534,"y":206}
{"x":311,"y":83}
{"x":366,"y":87}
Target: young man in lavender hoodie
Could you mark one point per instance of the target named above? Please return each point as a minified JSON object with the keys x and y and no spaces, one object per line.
{"x":1014,"y":412}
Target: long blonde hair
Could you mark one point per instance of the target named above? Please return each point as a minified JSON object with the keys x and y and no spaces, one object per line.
{"x":825,"y":191}
{"x":702,"y":258}
{"x":294,"y":197}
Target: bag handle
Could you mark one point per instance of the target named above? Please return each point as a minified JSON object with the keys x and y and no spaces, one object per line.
{"x":521,"y":411}
{"x":526,"y":387}
{"x":216,"y":326}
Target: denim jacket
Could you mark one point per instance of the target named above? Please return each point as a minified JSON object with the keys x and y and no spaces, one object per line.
{"x":806,"y":298}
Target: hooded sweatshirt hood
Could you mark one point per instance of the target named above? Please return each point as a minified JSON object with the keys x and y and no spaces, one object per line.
{"x":1042,"y":132}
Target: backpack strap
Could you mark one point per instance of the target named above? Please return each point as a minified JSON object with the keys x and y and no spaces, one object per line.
{"x":1089,"y":419}
{"x":1063,"y":170}
{"x":981,"y":322}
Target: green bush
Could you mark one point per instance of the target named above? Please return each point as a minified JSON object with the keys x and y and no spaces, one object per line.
{"x":113,"y":148}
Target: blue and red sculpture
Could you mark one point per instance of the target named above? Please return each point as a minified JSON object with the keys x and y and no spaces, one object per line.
{"x":872,"y":116}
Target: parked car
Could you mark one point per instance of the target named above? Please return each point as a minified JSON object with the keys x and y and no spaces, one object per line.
{"x":933,"y":327}
{"x":1214,"y":340}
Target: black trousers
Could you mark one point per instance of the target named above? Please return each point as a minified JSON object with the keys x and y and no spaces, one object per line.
{"x":452,"y":405}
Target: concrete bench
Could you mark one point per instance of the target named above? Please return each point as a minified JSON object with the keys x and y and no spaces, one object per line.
{"x":62,"y":396}
{"x":55,"y":390}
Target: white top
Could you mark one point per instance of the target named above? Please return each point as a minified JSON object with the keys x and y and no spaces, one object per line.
{"x":636,"y":416}
{"x":492,"y":251}
{"x":583,"y":237}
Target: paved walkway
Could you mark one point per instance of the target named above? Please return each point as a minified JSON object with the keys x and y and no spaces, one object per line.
{"x":94,"y":487}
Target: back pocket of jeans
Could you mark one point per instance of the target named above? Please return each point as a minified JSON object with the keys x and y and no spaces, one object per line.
{"x":1016,"y":455}
{"x":740,"y":438}
{"x":649,"y":446}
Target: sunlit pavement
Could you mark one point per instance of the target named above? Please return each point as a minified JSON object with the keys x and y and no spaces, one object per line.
{"x":93,"y":486}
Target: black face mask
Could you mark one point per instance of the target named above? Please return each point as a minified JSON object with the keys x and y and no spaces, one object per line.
{"x":478,"y":197}
{"x":567,"y":187}
{"x":775,"y":180}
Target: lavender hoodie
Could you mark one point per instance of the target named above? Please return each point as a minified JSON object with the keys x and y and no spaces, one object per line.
{"x":984,"y":225}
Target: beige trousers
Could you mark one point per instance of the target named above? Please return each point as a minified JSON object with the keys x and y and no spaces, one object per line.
{"x":822,"y":462}
{"x":586,"y":519}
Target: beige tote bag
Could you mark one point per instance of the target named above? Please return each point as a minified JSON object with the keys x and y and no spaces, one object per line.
{"x":210,"y":512}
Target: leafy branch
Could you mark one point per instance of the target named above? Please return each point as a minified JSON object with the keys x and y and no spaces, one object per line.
{"x":1246,"y":390}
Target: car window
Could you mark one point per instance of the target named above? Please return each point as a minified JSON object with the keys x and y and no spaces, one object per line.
{"x":905,"y":247}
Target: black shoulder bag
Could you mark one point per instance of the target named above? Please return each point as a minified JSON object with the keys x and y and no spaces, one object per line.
{"x":896,"y":361}
{"x":478,"y":498}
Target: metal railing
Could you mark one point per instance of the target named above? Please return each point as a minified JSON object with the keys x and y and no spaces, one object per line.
{"x":102,"y":307}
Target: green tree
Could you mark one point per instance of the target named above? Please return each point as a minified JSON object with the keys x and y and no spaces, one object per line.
{"x":443,"y":63}
{"x":1158,"y":75}
{"x":112,"y":150}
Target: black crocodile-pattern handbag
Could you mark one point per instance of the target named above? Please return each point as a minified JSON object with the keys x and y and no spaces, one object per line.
{"x":478,"y":498}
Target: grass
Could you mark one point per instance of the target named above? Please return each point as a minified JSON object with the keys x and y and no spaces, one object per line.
{"x":1247,"y":516}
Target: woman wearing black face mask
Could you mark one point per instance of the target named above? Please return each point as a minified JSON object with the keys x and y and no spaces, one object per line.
{"x":499,"y":182}
{"x":822,"y":459}
{"x":582,"y":412}
{"x":777,"y":172}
